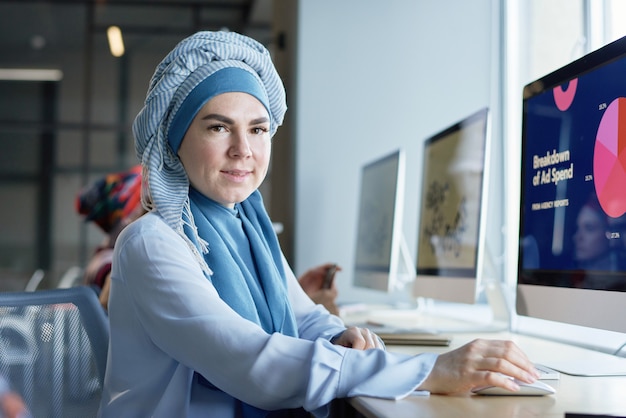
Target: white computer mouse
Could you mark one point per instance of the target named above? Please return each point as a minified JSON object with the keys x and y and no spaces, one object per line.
{"x":538,"y":388}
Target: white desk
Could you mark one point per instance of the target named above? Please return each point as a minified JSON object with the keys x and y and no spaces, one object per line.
{"x":588,"y":395}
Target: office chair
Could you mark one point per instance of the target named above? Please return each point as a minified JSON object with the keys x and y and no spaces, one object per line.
{"x":71,"y":278}
{"x":53,"y":349}
{"x":35,"y":280}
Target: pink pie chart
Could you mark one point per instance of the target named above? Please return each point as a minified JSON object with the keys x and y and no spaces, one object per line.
{"x":609,"y":159}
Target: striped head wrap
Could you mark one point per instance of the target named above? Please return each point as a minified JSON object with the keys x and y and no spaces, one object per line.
{"x":198,"y":68}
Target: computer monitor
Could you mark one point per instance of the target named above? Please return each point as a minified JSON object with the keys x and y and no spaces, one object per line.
{"x":380,"y":255}
{"x":450,"y":226}
{"x":572,"y":263}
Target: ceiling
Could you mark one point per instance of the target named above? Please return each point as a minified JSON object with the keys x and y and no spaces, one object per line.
{"x":30,"y":29}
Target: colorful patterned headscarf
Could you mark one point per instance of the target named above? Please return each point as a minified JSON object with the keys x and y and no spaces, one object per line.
{"x":111,"y":199}
{"x":191,"y":62}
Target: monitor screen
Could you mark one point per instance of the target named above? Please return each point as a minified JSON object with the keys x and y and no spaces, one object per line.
{"x":572,"y":259}
{"x":379,"y":234}
{"x":448,"y":238}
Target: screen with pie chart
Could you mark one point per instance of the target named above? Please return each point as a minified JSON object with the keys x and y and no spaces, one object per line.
{"x":572,"y":233}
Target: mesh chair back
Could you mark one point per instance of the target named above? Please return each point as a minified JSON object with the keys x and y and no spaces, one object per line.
{"x":53,"y":348}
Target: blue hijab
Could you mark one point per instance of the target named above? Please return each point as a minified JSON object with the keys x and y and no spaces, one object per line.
{"x":245,"y":257}
{"x":247,"y":267}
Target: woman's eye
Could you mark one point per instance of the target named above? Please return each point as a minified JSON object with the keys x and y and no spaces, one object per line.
{"x":259,"y":130}
{"x":217,"y":128}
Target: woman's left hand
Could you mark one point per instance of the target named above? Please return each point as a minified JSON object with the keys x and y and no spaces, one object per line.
{"x":359,"y":339}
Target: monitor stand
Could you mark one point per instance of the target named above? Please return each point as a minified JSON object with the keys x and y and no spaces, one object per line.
{"x":402,"y":280}
{"x":449,"y":317}
{"x":499,"y":303}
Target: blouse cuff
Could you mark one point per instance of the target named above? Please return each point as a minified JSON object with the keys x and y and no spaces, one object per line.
{"x":398,"y":377}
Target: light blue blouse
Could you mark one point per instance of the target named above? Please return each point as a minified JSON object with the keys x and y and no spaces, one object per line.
{"x":168,"y":321}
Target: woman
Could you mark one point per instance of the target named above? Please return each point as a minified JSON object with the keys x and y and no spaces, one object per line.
{"x":207,"y":318}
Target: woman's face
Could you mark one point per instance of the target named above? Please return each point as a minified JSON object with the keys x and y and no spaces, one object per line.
{"x":226,"y":150}
{"x":590,"y":238}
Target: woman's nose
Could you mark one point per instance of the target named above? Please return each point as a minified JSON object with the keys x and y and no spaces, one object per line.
{"x":240,"y":146}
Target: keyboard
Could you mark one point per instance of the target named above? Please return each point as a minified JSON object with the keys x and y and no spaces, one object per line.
{"x":547,"y":373}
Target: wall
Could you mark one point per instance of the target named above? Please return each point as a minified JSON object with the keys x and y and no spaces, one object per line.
{"x":374,"y":76}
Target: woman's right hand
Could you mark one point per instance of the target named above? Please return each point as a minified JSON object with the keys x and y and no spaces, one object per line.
{"x":480,"y":363}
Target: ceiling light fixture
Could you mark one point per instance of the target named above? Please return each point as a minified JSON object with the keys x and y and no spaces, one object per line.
{"x":116,"y":43}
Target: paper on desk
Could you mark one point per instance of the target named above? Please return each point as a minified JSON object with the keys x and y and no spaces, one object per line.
{"x":420,"y":393}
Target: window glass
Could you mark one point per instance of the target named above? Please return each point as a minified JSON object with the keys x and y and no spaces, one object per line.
{"x":555,"y":37}
{"x":615,"y":27}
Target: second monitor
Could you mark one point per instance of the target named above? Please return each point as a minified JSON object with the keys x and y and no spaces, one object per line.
{"x":451,"y":220}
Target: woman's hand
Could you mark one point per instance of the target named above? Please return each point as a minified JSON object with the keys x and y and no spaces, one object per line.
{"x":359,"y":339}
{"x":480,"y":363}
{"x":312,"y":281}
